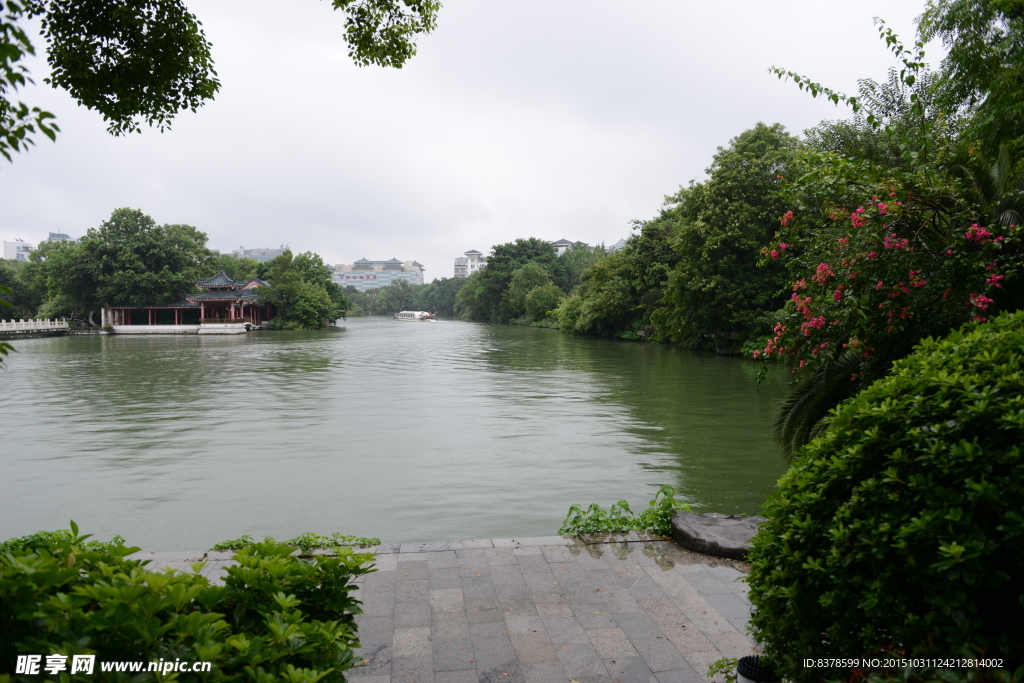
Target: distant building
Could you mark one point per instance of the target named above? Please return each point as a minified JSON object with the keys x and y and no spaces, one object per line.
{"x":365,"y":275}
{"x":618,"y":246}
{"x":564,"y":245}
{"x":59,"y":237}
{"x":260,"y":255}
{"x":470,"y":263}
{"x":18,"y":250}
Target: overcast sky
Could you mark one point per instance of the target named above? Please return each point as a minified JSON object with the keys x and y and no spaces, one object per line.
{"x":550,"y":119}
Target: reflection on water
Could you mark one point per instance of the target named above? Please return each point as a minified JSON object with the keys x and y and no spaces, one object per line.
{"x":409,"y":432}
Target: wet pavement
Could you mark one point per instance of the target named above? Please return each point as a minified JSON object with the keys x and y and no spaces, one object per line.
{"x":614,"y":608}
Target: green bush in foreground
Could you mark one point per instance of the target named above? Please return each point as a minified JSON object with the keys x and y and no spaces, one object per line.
{"x":900,"y":530}
{"x":619,"y":517}
{"x":276,"y":618}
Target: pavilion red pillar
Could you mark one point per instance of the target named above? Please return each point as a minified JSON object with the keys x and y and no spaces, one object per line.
{"x":202,"y":312}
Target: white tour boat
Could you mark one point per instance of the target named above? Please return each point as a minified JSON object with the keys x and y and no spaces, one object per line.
{"x":416,"y":316}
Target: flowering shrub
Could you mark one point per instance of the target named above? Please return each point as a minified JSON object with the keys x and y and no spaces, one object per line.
{"x":883,"y":276}
{"x":899,"y":532}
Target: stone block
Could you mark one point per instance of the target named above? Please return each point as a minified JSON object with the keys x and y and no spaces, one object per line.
{"x":717,"y":535}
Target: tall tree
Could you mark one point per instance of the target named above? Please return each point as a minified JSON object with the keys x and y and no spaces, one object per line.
{"x":127,"y":260}
{"x":504,"y":261}
{"x":715,"y":288}
{"x":301,"y":287}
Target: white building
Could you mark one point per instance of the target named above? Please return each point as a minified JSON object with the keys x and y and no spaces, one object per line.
{"x":260,"y":255}
{"x":18,"y":250}
{"x":365,"y":274}
{"x":470,"y":263}
{"x":564,"y":245}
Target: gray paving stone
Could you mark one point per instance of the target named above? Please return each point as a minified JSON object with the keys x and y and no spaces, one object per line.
{"x":468,"y":676}
{"x":733,"y":608}
{"x":412,"y":614}
{"x":533,"y":648}
{"x":621,"y":602}
{"x":645,"y":588}
{"x":527,"y":550}
{"x":477,"y":587}
{"x":700,"y":661}
{"x":447,"y":600}
{"x":557,"y":553}
{"x":579,"y":660}
{"x":446,"y":577}
{"x":376,"y":661}
{"x":500,"y":556}
{"x":449,"y":625}
{"x":685,"y":675}
{"x":552,"y":605}
{"x":453,"y":654}
{"x":565,"y":631}
{"x":484,"y":610}
{"x":541,"y":582}
{"x":412,"y":591}
{"x":507,"y":575}
{"x":611,"y":643}
{"x":439,"y":546}
{"x":533,"y":563}
{"x":386,"y":563}
{"x":410,"y":570}
{"x":442,"y":560}
{"x":368,"y":679}
{"x":516,"y":599}
{"x":546,"y":672}
{"x":475,"y":565}
{"x":517,"y":623}
{"x":418,"y":669}
{"x":652,"y":644}
{"x":734,"y":645}
{"x":593,"y":615}
{"x":630,"y":670}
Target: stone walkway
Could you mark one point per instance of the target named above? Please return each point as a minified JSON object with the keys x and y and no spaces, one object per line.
{"x":616,"y":608}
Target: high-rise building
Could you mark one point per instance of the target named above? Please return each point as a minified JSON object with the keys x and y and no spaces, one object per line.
{"x":365,"y":274}
{"x":468,"y":264}
{"x":18,"y":250}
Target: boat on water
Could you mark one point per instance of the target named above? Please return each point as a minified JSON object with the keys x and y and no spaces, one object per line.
{"x":416,"y":316}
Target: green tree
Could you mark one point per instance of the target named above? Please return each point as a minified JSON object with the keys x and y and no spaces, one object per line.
{"x":142,"y":61}
{"x":605,"y":302}
{"x":983,"y":70}
{"x":470,"y":300}
{"x":233,"y":266}
{"x":398,"y":296}
{"x":439,"y":296}
{"x":524,"y":280}
{"x":301,"y":287}
{"x":23,"y":297}
{"x":715,"y":288}
{"x":128,"y":260}
{"x":571,"y":264}
{"x":542,"y":301}
{"x":504,"y":261}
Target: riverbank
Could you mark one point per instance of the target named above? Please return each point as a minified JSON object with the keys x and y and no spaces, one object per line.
{"x":601,"y":607}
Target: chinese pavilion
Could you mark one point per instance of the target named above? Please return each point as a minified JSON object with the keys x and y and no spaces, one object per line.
{"x":223,"y":301}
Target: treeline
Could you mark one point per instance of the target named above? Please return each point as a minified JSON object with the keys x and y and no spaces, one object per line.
{"x":129,"y":260}
{"x":437,"y":296}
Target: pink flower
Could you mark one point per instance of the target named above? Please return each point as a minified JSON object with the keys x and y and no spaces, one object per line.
{"x":775,"y":255}
{"x":823,"y":274}
{"x":872,"y":255}
{"x":783,"y":246}
{"x":838,"y":294}
{"x":757,"y":354}
{"x":978,"y":234}
{"x":881,"y":207}
{"x":879,"y":284}
{"x":994,"y":280}
{"x":860,"y":210}
{"x":786,"y":218}
{"x":979,"y":319}
{"x":979,"y":301}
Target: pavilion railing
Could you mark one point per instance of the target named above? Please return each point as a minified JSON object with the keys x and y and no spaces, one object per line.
{"x":225,"y":321}
{"x":32,"y":325}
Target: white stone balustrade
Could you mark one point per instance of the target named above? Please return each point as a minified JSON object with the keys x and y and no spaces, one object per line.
{"x":32,"y":325}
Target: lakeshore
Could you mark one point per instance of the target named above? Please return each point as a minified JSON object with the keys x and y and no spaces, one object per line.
{"x":625,"y":607}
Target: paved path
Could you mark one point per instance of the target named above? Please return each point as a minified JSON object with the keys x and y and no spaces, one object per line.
{"x":611,"y":608}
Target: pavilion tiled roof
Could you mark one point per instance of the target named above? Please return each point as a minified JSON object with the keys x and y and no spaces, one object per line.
{"x":221,"y":279}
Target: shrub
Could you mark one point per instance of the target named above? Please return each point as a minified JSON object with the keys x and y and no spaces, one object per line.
{"x":277,"y":617}
{"x":619,"y":517}
{"x":305,"y":542}
{"x":900,"y":530}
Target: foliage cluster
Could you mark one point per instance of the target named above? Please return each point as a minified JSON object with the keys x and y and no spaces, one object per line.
{"x":305,"y":542}
{"x":302,"y":289}
{"x":899,"y":531}
{"x":619,"y":517}
{"x":437,"y":296}
{"x":277,"y":617}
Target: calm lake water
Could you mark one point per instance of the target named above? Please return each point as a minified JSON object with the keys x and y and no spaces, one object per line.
{"x":404,"y":431}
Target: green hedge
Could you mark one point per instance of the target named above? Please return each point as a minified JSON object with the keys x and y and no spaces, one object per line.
{"x":900,"y":531}
{"x":276,"y":618}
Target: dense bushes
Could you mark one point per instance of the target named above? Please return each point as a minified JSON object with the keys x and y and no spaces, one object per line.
{"x":277,"y":617}
{"x":901,"y":529}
